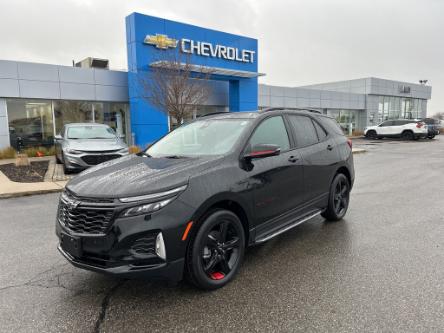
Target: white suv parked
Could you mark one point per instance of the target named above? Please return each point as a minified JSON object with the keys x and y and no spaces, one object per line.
{"x":407,"y":129}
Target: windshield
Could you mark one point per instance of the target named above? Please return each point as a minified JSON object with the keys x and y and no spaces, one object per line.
{"x":202,"y":137}
{"x":90,"y":132}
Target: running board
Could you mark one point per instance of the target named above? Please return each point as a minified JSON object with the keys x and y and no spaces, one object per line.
{"x":287,"y":227}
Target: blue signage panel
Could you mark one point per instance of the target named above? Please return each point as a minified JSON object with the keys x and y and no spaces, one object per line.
{"x":231,"y":58}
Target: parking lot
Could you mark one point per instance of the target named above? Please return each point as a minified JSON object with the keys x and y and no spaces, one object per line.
{"x":380,"y":269}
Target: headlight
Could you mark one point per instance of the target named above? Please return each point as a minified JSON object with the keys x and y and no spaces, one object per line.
{"x":147,"y":208}
{"x":73,"y":151}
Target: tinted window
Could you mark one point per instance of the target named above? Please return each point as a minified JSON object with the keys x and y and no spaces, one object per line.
{"x":332,"y":124}
{"x":304,"y":130}
{"x":271,"y":131}
{"x":386,"y":123}
{"x":321,"y":132}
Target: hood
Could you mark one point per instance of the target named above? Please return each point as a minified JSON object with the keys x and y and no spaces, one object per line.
{"x":135,"y":175}
{"x":96,"y":144}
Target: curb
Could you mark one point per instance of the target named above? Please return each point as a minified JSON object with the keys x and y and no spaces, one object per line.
{"x":28,"y":193}
{"x":359,"y":151}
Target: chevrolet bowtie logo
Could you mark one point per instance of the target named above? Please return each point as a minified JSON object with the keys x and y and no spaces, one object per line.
{"x":161,"y":41}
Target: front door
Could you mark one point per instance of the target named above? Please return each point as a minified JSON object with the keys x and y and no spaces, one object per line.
{"x":277,"y":182}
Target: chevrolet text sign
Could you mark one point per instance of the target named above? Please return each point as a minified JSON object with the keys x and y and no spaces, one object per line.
{"x":201,"y":48}
{"x":218,"y":51}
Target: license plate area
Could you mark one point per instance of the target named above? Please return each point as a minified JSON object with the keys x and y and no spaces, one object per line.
{"x":71,"y":245}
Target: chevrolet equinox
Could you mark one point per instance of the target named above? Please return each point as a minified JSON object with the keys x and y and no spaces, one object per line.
{"x":191,"y":203}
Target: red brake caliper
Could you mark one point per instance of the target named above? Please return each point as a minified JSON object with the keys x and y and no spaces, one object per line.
{"x":217,"y":275}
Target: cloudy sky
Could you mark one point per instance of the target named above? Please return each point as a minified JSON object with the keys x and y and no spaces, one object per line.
{"x":300,"y":41}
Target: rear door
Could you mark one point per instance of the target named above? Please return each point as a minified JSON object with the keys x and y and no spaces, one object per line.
{"x":319,"y":155}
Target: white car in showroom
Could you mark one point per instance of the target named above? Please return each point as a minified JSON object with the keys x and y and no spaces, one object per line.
{"x":407,"y":129}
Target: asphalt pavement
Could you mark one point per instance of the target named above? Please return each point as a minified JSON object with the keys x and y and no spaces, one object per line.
{"x":381,"y":269}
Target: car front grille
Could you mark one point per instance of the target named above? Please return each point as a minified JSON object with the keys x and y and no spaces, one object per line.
{"x":86,"y":216}
{"x":97,"y":159}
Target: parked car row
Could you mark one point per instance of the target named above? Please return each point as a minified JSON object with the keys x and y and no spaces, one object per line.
{"x":407,"y":129}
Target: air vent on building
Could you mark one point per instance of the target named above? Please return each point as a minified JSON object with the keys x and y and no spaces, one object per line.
{"x":93,"y":63}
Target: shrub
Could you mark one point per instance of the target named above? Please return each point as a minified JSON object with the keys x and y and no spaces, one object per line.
{"x":134,"y":149}
{"x":8,"y":152}
{"x":39,"y":151}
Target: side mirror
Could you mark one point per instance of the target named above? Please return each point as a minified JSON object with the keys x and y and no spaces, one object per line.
{"x":263,"y":150}
{"x":58,"y":137}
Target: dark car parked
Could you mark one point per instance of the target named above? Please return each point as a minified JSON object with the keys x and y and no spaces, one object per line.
{"x":433,"y":126}
{"x":191,"y":203}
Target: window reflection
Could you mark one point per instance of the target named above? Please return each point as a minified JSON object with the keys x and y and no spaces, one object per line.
{"x":392,"y":107}
{"x":35,"y":122}
{"x":31,"y":122}
{"x":67,"y":112}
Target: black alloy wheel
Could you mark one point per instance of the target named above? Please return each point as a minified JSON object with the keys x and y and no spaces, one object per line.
{"x":339,"y":198}
{"x":216,"y":251}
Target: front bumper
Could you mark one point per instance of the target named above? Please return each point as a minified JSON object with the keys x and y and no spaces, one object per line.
{"x":171,"y":271}
{"x":127,"y":248}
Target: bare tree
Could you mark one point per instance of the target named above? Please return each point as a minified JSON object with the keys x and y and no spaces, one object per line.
{"x":439,"y":116}
{"x":175,"y":86}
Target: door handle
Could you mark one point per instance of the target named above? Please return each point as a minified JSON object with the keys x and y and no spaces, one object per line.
{"x":292,"y":159}
{"x":329,"y":147}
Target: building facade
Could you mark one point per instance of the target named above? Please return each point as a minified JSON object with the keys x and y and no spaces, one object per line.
{"x":36,"y":100}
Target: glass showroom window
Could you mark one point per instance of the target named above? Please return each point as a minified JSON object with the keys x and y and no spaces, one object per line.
{"x":66,"y":112}
{"x":112,"y":114}
{"x":31,"y":122}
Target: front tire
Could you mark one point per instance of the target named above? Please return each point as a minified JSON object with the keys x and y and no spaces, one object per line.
{"x":338,"y":199}
{"x":216,"y":250}
{"x":371,"y":135}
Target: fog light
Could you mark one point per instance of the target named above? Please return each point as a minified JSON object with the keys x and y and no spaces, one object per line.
{"x":160,"y":246}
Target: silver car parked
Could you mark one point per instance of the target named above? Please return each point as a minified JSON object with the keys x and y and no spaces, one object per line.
{"x":79,"y":146}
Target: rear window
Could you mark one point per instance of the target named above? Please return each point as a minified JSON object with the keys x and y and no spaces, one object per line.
{"x":304,"y":130}
{"x":332,"y":125}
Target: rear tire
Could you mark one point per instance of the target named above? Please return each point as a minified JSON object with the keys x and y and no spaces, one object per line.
{"x":58,"y":159}
{"x":338,"y":199}
{"x":407,"y":135}
{"x":216,"y":250}
{"x":431,"y":136}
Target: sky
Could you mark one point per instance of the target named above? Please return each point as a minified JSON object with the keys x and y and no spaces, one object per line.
{"x":300,"y":42}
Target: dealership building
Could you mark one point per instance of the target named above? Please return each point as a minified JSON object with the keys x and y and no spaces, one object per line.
{"x":36,"y":100}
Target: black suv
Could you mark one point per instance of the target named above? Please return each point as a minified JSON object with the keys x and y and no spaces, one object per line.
{"x":191,"y":203}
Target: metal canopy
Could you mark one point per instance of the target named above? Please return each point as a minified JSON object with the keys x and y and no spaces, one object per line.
{"x":211,"y":70}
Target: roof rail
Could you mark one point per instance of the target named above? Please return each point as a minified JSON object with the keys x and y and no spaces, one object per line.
{"x":210,"y":114}
{"x":291,"y":109}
